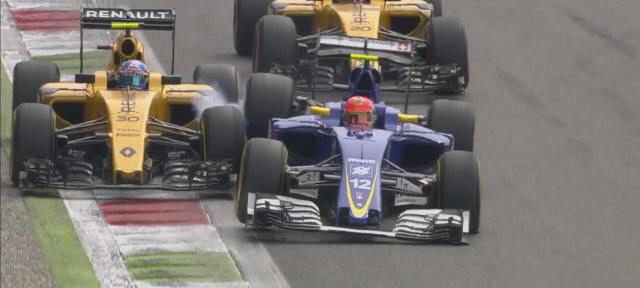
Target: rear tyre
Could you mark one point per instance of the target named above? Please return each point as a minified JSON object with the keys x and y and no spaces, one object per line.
{"x":268,"y":96}
{"x":456,"y":118}
{"x":33,"y":136}
{"x":221,"y":77}
{"x":447,"y":44}
{"x":275,"y":43}
{"x":459,"y":184}
{"x":222,"y":132}
{"x":28,"y":77}
{"x":245,"y":15}
{"x":262,"y":171}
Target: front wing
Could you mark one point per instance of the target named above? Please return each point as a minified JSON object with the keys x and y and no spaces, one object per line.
{"x":426,"y":225}
{"x":80,"y":175}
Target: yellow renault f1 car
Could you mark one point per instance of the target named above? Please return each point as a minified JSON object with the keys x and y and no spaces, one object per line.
{"x":286,"y":36}
{"x":95,"y":133}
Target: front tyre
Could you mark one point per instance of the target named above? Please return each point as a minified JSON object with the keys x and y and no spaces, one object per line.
{"x":447,"y":45}
{"x":222,"y":131}
{"x":459,"y":185}
{"x":33,"y":136}
{"x":262,"y":171}
{"x":268,"y":96}
{"x":456,"y":118}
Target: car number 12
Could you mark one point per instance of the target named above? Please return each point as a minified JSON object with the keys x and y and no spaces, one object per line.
{"x":361,"y":183}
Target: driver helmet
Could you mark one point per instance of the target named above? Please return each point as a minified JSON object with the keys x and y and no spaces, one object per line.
{"x":133,"y":74}
{"x":358,"y":111}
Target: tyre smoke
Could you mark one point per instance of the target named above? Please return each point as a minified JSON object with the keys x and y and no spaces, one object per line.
{"x":209,"y":99}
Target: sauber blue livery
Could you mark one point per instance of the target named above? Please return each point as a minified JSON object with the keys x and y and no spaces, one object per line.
{"x":313,"y":138}
{"x":315,"y":173}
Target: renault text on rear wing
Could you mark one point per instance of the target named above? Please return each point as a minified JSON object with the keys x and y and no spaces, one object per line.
{"x":114,"y":18}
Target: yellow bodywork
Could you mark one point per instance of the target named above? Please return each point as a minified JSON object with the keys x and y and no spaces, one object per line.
{"x":127,"y":112}
{"x":358,"y":20}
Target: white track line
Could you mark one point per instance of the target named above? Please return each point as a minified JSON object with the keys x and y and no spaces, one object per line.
{"x":98,"y":242}
{"x":86,"y":218}
{"x":40,"y":4}
{"x":152,"y":239}
{"x":13,"y":48}
{"x":96,"y":236}
{"x":254,"y":260}
{"x":192,"y":285}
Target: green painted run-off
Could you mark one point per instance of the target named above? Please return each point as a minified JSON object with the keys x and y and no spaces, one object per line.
{"x":61,"y":247}
{"x":6,"y":114}
{"x":60,"y":244}
{"x":184,"y":267}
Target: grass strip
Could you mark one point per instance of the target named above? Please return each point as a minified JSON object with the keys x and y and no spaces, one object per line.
{"x":60,"y":244}
{"x":57,"y":237}
{"x":6,"y":114}
{"x":184,"y":266}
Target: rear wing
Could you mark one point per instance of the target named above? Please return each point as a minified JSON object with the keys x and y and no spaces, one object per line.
{"x":114,"y":18}
{"x":134,"y":19}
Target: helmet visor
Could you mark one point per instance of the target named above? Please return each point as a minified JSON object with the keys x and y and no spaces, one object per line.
{"x":359,"y":119}
{"x":135,"y":80}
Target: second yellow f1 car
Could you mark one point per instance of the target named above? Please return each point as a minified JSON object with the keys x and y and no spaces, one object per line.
{"x":98,"y":133}
{"x":292,"y":30}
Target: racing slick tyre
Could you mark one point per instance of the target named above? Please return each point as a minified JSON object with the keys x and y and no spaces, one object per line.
{"x":33,"y":135}
{"x":245,"y":15}
{"x":437,"y":7}
{"x":28,"y":77}
{"x":275,"y":43}
{"x":222,"y":77}
{"x":222,"y":132}
{"x":456,"y":118}
{"x":262,"y":171}
{"x":268,"y":96}
{"x":459,"y":184}
{"x":447,"y":44}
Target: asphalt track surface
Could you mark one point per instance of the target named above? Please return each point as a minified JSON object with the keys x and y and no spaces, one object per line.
{"x":555,"y":86}
{"x":23,"y":263}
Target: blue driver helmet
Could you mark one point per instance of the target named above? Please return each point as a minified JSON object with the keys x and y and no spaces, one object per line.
{"x":133,"y":74}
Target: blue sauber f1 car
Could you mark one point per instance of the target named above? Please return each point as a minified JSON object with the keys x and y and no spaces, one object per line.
{"x":338,"y":169}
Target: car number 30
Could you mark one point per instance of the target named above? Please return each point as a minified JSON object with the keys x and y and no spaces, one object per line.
{"x":361,"y":183}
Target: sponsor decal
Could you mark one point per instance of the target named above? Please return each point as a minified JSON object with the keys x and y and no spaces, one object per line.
{"x":135,"y":14}
{"x":403,"y":46}
{"x":128,"y":103}
{"x":361,"y":181}
{"x":124,"y":132}
{"x":127,"y":152}
{"x":361,"y":170}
